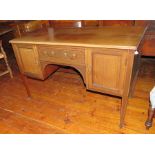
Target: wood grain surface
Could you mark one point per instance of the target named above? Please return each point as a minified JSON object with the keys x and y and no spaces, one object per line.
{"x":62,"y":105}
{"x":108,"y":37}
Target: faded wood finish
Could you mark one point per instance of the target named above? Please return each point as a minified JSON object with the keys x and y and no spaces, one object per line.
{"x":118,"y":37}
{"x":103,"y":56}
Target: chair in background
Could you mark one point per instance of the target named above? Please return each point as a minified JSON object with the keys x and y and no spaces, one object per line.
{"x":65,"y":23}
{"x":4,"y":57}
{"x":26,"y":27}
{"x":151,"y":113}
{"x":73,"y":23}
{"x":90,"y":23}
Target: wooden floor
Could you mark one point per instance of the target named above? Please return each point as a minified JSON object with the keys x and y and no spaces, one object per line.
{"x":61,"y":104}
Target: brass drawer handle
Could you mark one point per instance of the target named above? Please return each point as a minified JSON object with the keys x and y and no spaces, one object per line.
{"x":74,"y":55}
{"x":65,"y":54}
{"x":51,"y":53}
{"x":45,"y":52}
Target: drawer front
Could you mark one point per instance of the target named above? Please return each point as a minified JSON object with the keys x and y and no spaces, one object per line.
{"x":66,"y":55}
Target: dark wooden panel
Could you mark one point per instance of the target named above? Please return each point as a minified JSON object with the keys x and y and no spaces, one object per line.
{"x":148,"y":48}
{"x":117,"y":22}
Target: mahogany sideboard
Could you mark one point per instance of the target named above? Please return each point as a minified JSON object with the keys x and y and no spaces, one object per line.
{"x":108,"y":58}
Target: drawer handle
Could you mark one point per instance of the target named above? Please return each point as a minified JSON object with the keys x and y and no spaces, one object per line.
{"x":45,"y":52}
{"x":51,"y":53}
{"x":74,"y":56}
{"x":65,"y":54}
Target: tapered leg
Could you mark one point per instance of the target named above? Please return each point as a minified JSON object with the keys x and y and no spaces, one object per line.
{"x":123,"y":110}
{"x":24,"y":79}
{"x":149,"y":120}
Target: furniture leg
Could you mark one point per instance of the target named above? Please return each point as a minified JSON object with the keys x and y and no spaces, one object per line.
{"x":8,"y":67}
{"x":24,"y":79}
{"x":149,"y":120}
{"x":151,"y":111}
{"x":123,"y":110}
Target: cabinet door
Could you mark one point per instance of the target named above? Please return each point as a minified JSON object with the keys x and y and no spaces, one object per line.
{"x":106,"y":69}
{"x":28,"y":56}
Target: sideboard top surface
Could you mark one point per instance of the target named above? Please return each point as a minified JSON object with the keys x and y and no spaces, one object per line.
{"x":127,"y":37}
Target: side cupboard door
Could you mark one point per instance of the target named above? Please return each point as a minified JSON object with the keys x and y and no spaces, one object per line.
{"x":28,"y":60}
{"x":106,"y":70}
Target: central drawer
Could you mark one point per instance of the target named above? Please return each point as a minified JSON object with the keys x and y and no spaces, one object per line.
{"x":62,"y":54}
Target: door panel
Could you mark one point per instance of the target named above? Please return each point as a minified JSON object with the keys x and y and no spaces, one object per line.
{"x":107,"y":70}
{"x":104,"y":69}
{"x":29,"y":60}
